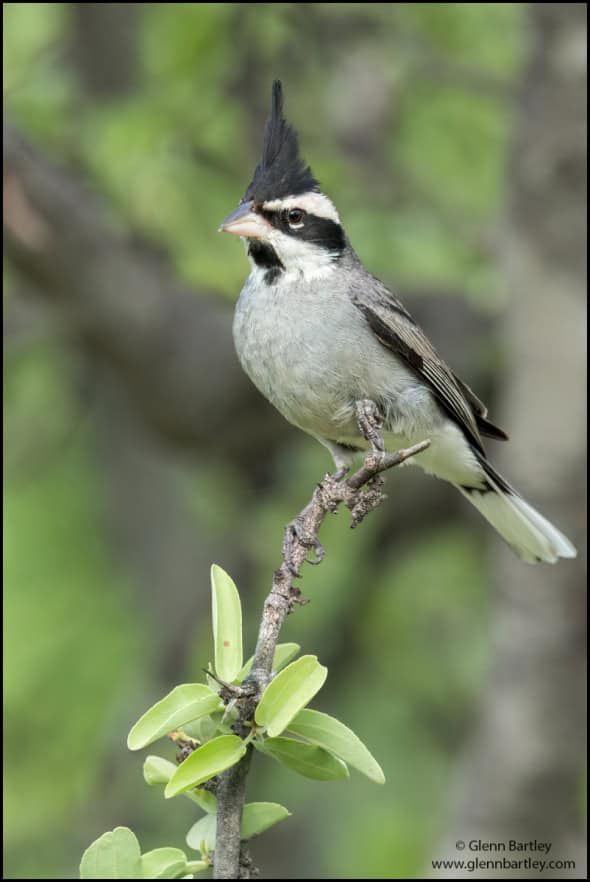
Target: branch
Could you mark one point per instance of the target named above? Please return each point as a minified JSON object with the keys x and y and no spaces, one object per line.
{"x":361,"y":493}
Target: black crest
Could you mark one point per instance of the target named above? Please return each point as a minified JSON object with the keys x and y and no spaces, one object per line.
{"x":281,"y":171}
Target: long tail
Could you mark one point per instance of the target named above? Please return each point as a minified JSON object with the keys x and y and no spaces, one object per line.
{"x":531,"y":535}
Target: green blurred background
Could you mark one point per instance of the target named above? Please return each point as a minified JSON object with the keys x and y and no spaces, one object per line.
{"x":451,"y":137}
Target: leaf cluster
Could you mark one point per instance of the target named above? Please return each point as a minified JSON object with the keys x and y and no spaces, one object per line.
{"x":202,"y":719}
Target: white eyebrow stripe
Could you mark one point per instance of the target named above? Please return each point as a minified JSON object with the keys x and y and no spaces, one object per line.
{"x":312,"y":203}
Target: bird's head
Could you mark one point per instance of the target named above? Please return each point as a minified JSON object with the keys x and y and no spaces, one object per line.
{"x":288,"y":225}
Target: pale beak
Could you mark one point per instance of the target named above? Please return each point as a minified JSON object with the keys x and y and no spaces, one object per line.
{"x":245,"y":222}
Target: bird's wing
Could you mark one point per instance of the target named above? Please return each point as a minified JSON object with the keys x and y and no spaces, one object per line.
{"x":395,"y":328}
{"x":485,"y":426}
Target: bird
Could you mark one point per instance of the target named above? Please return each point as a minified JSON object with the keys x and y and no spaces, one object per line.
{"x":317,"y":333}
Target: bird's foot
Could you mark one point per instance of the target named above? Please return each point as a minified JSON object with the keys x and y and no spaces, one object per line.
{"x":296,"y":534}
{"x":358,"y":500}
{"x":365,"y":501}
{"x":332,"y":490}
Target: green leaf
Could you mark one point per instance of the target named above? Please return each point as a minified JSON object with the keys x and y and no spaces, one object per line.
{"x":256,"y":818}
{"x":196,"y":867}
{"x":212,"y":758}
{"x":163,"y":863}
{"x":183,"y":704}
{"x":204,"y":728}
{"x":331,"y":734}
{"x":201,"y":835}
{"x":306,"y":759}
{"x":289,"y":692}
{"x":204,"y":799}
{"x":157,"y":770}
{"x":283,"y":654}
{"x":114,"y":855}
{"x":259,"y":816}
{"x":227,"y":625}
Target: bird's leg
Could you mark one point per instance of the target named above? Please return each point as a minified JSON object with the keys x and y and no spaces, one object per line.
{"x":365,"y":500}
{"x":341,"y":472}
{"x":342,"y":454}
{"x":360,"y":500}
{"x":370,"y":420}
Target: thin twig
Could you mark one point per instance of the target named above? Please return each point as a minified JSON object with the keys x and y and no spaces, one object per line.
{"x":360,"y":493}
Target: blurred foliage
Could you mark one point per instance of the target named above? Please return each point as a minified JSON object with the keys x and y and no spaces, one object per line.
{"x":403,"y":112}
{"x":174,"y":154}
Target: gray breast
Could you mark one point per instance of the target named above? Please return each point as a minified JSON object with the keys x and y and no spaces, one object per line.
{"x":310,"y":352}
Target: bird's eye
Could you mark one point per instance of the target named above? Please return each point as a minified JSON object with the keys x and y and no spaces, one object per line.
{"x":295,"y":217}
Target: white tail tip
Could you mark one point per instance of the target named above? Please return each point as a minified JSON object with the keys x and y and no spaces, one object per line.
{"x":531,"y":535}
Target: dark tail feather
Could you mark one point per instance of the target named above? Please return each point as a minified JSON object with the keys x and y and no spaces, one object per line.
{"x":489,"y":430}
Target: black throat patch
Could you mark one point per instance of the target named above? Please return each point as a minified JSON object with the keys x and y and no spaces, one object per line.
{"x":267,"y":259}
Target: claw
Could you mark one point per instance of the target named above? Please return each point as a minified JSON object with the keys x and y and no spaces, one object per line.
{"x":294,"y":529}
{"x":292,"y":569}
{"x":290,"y":531}
{"x":320,"y":552}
